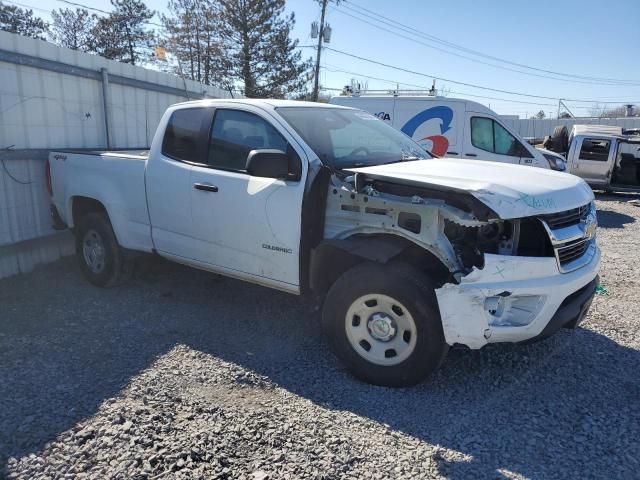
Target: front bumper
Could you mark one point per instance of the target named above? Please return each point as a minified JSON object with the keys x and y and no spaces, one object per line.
{"x":515,"y":299}
{"x":570,"y":313}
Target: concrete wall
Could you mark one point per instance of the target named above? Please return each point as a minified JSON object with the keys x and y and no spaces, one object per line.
{"x":52,"y":98}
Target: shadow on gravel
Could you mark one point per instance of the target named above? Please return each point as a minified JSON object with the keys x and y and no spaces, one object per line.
{"x":66,"y":347}
{"x":611,"y":219}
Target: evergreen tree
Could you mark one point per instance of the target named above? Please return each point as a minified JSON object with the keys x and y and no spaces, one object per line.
{"x":122,"y":35}
{"x":193,"y":39}
{"x":258,"y":49}
{"x":73,"y":29}
{"x":21,"y":21}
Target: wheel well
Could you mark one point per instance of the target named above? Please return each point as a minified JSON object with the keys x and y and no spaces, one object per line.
{"x":80,"y":206}
{"x":332,"y":258}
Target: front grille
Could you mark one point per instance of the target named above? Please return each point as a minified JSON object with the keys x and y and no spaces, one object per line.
{"x":566,"y":218}
{"x":571,"y":251}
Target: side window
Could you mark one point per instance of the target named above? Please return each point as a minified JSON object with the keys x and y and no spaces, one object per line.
{"x":595,"y":149}
{"x":235,"y":133}
{"x":504,"y":142}
{"x":183,"y":133}
{"x":482,"y":133}
{"x":489,"y":135}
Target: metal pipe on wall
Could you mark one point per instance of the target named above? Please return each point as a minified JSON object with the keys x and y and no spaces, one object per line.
{"x":105,"y":103}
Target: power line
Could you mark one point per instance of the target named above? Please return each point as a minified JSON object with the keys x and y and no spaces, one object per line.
{"x":27,"y":6}
{"x":377,"y":17}
{"x":333,"y":68}
{"x":427,"y":88}
{"x":413,"y":39}
{"x":466,"y":84}
{"x":80,"y":5}
{"x":84,"y":6}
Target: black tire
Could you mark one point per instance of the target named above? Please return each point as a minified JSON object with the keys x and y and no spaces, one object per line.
{"x":561,"y":139}
{"x":115,"y":266}
{"x":415,"y":292}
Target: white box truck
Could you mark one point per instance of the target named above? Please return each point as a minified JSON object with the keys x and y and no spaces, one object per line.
{"x":452,"y":127}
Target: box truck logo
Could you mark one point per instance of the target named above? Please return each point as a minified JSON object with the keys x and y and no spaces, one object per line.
{"x":383,"y":116}
{"x":439,"y":143}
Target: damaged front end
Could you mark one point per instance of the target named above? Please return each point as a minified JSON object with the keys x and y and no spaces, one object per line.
{"x":454,"y":226}
{"x":507,"y":278}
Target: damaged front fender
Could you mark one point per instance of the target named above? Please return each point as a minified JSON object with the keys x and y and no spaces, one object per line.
{"x":419,"y":220}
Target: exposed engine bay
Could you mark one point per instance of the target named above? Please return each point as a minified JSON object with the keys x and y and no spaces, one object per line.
{"x":454,"y":226}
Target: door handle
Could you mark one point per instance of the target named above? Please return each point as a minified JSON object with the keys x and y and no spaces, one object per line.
{"x":470,"y":155}
{"x":452,"y":153}
{"x":207,"y":187}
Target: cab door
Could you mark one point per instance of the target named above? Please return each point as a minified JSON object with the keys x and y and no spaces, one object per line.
{"x":247,"y":226}
{"x":168,"y":181}
{"x":487,"y":139}
{"x":593,"y":159}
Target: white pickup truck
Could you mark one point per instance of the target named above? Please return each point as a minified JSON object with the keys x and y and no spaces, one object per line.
{"x":410,"y":254}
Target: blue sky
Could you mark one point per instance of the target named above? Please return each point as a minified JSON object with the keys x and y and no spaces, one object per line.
{"x":579,"y":37}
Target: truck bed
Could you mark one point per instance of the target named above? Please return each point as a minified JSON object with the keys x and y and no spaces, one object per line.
{"x":116,"y":179}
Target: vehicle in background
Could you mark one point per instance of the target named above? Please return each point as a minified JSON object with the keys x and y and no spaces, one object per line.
{"x":453,"y":127}
{"x":607,"y":157}
{"x":410,"y":254}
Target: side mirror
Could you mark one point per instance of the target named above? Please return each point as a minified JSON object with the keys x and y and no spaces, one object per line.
{"x":270,"y":163}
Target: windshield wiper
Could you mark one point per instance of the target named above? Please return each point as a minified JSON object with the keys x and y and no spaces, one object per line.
{"x":404,"y":159}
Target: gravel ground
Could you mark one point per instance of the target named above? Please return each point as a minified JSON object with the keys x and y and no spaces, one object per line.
{"x":184,"y":374}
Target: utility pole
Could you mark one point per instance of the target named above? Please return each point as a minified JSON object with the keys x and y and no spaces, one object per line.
{"x":316,"y":78}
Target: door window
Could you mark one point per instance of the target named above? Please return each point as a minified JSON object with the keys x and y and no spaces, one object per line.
{"x":235,"y":133}
{"x":595,"y":149}
{"x":505,"y":143}
{"x":482,"y":133}
{"x":182,"y":137}
{"x":489,"y":135}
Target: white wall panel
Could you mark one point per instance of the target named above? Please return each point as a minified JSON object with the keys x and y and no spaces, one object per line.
{"x":42,"y":109}
{"x":45,"y":109}
{"x":541,"y":128}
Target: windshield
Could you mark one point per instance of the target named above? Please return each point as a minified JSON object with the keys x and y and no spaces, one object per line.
{"x":345,"y":138}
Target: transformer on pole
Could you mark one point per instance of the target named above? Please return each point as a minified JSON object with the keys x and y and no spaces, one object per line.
{"x":320,"y":34}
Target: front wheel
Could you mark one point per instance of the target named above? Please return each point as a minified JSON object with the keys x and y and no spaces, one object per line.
{"x":384,"y":324}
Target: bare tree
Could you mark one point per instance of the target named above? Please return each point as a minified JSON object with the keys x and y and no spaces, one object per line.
{"x":602,"y":111}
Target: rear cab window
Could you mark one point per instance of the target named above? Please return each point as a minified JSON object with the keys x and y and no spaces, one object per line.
{"x":185,"y":135}
{"x":595,"y":149}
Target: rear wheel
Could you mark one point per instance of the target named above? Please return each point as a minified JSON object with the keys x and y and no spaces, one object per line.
{"x":383,"y":323}
{"x":102,"y":260}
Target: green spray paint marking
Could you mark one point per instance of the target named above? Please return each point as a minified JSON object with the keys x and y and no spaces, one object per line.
{"x":537,"y":203}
